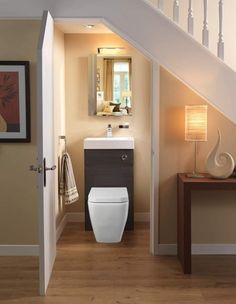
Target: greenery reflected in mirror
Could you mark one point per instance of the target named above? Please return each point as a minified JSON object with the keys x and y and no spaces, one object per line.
{"x":113,"y":86}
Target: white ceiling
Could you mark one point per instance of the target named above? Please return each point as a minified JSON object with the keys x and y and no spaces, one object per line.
{"x":78,"y":26}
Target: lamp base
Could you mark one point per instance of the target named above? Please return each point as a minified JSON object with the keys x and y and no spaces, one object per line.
{"x":195,"y":175}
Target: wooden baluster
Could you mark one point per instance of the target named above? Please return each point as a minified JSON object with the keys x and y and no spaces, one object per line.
{"x":190,"y":18}
{"x":220,"y":46}
{"x":176,"y":11}
{"x":205,"y":31}
{"x":161,"y":5}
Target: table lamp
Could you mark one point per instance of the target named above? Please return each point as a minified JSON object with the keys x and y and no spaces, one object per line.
{"x":126,"y":96}
{"x":195,"y":130}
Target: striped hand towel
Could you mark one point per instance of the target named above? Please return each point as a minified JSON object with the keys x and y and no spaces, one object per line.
{"x":67,"y":181}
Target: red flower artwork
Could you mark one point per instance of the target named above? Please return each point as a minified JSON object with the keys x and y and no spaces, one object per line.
{"x":9,"y":100}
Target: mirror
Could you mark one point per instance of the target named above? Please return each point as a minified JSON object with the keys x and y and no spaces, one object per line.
{"x":111,"y":83}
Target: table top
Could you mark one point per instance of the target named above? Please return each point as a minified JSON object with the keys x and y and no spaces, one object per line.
{"x":206,"y":180}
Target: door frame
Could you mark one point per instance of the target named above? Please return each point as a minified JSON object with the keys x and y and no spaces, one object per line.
{"x":155,"y":157}
{"x":154,"y":124}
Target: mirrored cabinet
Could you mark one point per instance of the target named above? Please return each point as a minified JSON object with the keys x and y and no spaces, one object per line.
{"x":110,"y":85}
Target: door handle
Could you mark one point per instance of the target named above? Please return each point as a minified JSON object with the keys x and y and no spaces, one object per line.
{"x":38,"y":169}
{"x":51,"y":168}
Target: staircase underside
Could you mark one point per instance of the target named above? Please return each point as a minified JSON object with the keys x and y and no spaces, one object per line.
{"x":153,"y":34}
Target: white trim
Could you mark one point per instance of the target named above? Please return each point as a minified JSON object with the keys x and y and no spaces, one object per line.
{"x":61,"y":227}
{"x":155,"y":176}
{"x":199,"y":249}
{"x":19,"y":250}
{"x":214,"y":249}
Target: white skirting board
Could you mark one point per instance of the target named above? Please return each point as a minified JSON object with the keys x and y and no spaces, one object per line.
{"x":19,"y":250}
{"x":199,"y":249}
{"x":163,"y":249}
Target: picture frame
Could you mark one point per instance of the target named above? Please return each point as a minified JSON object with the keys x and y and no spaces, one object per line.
{"x":14,"y":101}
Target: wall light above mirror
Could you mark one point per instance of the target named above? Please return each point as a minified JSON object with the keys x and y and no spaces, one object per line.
{"x":110,"y":83}
{"x":110,"y":50}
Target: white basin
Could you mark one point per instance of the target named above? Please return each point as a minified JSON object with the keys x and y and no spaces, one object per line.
{"x":109,"y":143}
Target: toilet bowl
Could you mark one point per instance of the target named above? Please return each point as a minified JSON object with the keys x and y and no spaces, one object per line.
{"x":108,"y":210}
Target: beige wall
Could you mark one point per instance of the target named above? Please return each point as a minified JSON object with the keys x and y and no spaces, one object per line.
{"x":213,"y":213}
{"x":79,"y":125}
{"x":18,"y":199}
{"x":59,"y":112}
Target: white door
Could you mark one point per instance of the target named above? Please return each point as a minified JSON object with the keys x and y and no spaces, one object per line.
{"x":46,"y":176}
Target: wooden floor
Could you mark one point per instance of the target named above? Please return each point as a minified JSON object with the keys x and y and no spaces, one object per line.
{"x":87,"y":272}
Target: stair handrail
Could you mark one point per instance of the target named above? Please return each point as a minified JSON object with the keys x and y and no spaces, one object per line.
{"x":190,"y":22}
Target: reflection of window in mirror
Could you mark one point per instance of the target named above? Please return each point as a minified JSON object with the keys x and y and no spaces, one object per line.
{"x":115,"y":83}
{"x":121,"y":82}
{"x":110,"y":85}
{"x":116,"y":78}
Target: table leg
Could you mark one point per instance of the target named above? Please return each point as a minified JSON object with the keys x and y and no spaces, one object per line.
{"x":184,"y":227}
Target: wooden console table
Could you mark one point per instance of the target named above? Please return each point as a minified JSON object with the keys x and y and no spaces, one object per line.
{"x":185,"y":187}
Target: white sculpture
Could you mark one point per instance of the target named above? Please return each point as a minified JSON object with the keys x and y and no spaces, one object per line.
{"x":219,"y":165}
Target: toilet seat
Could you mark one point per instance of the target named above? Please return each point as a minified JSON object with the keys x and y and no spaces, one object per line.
{"x":108,"y":211}
{"x":108,"y":195}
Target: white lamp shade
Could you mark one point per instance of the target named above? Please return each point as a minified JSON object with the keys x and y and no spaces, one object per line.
{"x":126,"y":94}
{"x":196,"y":123}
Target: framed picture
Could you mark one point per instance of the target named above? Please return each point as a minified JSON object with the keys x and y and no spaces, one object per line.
{"x":14,"y":101}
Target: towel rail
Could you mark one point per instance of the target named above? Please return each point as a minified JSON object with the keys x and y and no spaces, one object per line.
{"x":64,"y":138}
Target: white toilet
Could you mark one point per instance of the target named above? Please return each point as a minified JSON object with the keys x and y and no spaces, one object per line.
{"x":108,"y":210}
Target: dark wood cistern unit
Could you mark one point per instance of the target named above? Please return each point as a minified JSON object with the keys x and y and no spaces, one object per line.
{"x":109,"y":168}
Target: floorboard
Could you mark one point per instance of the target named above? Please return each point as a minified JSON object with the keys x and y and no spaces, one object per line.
{"x":125,"y":273}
